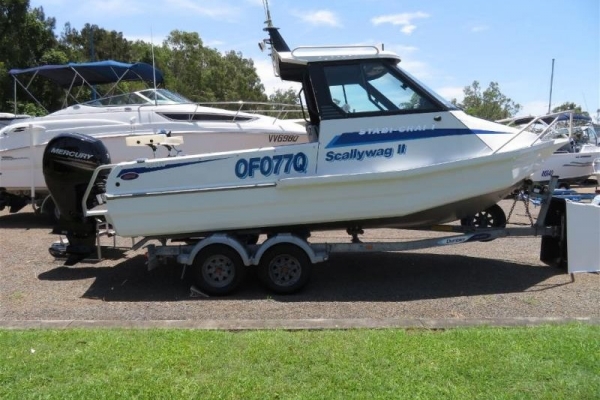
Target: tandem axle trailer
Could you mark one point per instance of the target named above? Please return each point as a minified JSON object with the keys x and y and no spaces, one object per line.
{"x":217,"y":263}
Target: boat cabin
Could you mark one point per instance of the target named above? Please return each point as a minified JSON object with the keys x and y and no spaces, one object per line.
{"x":341,"y":82}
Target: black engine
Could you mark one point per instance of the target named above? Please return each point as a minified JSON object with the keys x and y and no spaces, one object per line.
{"x":68,"y":164}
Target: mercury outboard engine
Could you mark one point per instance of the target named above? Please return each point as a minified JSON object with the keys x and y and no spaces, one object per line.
{"x":69,"y":162}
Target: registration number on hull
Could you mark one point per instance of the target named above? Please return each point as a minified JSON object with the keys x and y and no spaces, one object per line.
{"x":271,"y":165}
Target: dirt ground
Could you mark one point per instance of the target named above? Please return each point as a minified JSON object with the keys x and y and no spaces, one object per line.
{"x":498,"y":279}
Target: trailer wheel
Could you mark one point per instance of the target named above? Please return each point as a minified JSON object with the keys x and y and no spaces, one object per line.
{"x":284,"y":268}
{"x":491,"y":217}
{"x":553,"y":252}
{"x":218,"y":270}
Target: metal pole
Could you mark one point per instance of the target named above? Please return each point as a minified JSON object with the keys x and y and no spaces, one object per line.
{"x":551,"y":82}
{"x":153,"y":67}
{"x":92,"y":59}
{"x":15,"y":94}
{"x":32,"y":163}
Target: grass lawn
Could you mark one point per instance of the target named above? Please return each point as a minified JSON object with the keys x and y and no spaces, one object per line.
{"x":548,"y":362}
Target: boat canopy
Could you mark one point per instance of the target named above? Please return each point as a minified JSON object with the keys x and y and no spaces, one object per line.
{"x":81,"y":75}
{"x":93,"y":73}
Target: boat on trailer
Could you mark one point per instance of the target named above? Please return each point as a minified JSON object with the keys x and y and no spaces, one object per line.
{"x":383,"y":151}
{"x":113,"y":117}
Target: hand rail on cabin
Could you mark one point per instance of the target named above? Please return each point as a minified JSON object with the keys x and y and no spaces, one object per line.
{"x":340,"y":48}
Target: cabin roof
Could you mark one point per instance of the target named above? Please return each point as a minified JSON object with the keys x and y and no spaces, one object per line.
{"x":308,"y":54}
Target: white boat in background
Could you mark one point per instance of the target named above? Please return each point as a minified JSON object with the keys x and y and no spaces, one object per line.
{"x":384,"y":151}
{"x":573,"y":163}
{"x":114,"y":118}
{"x":8,"y":118}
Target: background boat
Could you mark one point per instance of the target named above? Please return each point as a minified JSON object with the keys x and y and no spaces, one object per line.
{"x":114,"y":116}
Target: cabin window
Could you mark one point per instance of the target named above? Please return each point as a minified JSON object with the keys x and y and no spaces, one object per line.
{"x":373,"y":87}
{"x":233,"y":117}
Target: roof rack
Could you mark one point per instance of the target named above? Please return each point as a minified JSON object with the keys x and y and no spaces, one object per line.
{"x":335,"y":50}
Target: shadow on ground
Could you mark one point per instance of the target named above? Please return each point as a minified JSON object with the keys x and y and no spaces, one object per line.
{"x":385,"y":277}
{"x":25,"y":220}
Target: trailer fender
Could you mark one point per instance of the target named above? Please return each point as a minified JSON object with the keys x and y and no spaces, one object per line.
{"x":227,"y":240}
{"x":314,"y":256}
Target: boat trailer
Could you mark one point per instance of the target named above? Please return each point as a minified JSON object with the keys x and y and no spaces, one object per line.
{"x":217,"y":263}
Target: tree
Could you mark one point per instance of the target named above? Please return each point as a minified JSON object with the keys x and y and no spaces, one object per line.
{"x":242,"y":78}
{"x":94,"y":43}
{"x":203,"y":74}
{"x":26,"y":39}
{"x":490,"y":104}
{"x":289,"y":96}
{"x":569,"y":106}
{"x":189,"y":67}
{"x":197,"y":72}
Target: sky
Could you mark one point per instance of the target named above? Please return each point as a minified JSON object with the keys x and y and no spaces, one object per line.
{"x":446,"y":44}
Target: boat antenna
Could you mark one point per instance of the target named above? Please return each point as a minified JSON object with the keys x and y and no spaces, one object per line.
{"x":585,"y":102}
{"x":153,"y":66}
{"x":275,"y":40}
{"x":267,"y":14}
{"x":551,"y":82}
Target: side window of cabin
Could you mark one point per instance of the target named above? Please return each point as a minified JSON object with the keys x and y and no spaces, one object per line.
{"x":372,"y":87}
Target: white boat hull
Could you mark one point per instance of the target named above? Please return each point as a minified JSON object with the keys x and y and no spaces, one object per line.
{"x":568,"y":166}
{"x":21,"y":167}
{"x":402,"y":198}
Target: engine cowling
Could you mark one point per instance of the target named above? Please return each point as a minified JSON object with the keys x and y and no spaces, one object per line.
{"x":68,"y":165}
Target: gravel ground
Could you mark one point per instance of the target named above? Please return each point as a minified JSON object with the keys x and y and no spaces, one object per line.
{"x":499,"y":279}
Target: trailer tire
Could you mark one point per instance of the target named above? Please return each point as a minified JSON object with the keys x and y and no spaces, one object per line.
{"x":491,"y":217}
{"x":284,"y":268}
{"x":554,"y":249}
{"x":218,"y":270}
{"x":552,"y":253}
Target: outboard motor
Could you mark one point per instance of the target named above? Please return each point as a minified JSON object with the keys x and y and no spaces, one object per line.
{"x":68,"y":164}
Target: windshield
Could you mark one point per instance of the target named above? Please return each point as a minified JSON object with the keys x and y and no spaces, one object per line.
{"x":147,"y":96}
{"x":431,"y":92}
{"x":163,"y":96}
{"x":374,"y":86}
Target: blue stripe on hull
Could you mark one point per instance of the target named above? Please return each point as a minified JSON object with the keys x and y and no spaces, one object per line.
{"x":143,"y":169}
{"x":358,"y":139}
